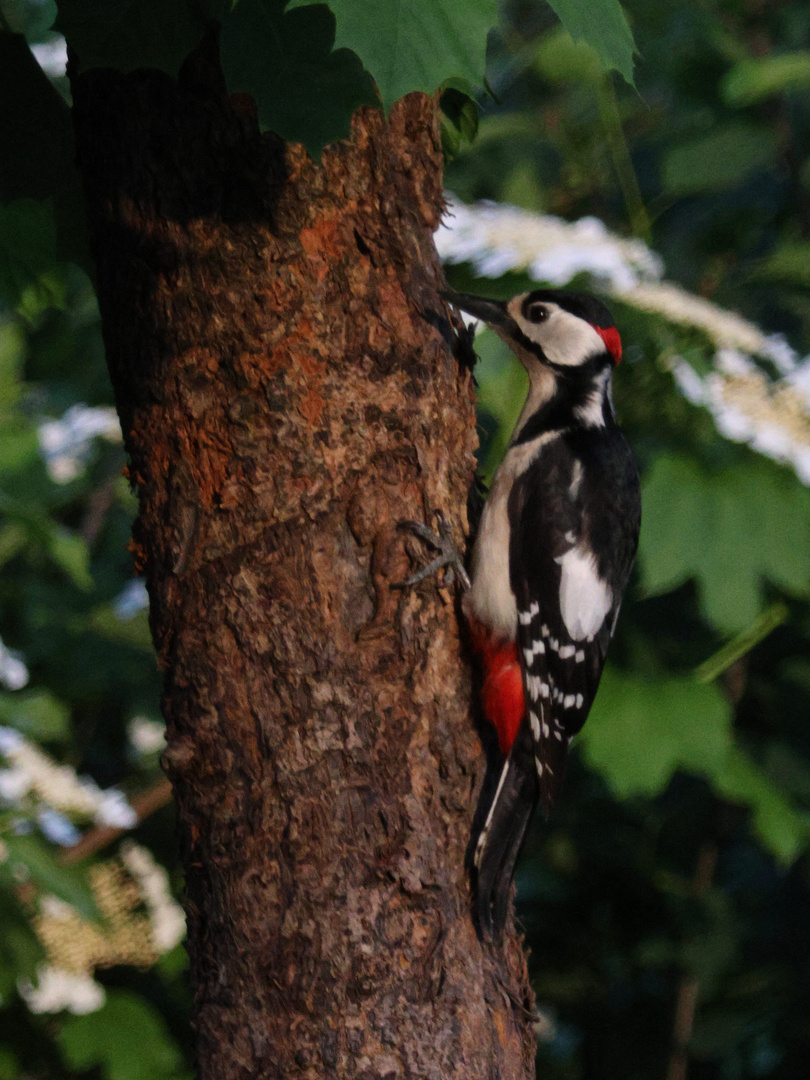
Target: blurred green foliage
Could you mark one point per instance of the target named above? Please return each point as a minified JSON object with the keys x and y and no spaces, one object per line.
{"x":677,"y":859}
{"x":677,"y":862}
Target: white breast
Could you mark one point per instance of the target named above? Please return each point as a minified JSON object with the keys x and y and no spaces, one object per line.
{"x":491,"y":600}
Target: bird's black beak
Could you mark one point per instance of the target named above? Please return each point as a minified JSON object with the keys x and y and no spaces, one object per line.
{"x":492,"y":312}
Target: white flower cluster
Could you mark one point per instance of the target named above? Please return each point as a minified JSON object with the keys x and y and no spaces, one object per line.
{"x":747,"y":407}
{"x":495,"y":238}
{"x":13,"y":672}
{"x":167,"y":918}
{"x":65,"y":444}
{"x":57,"y":990}
{"x":76,"y":948}
{"x":146,"y":736}
{"x":32,"y":772}
{"x":771,"y":415}
{"x":132,"y":599}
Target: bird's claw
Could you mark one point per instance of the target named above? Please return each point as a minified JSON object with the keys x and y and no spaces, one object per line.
{"x":447,"y":559}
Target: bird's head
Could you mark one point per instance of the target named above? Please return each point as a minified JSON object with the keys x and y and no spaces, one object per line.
{"x":563,"y":331}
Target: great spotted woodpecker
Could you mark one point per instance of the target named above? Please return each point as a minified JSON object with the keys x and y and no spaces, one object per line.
{"x":551,"y":560}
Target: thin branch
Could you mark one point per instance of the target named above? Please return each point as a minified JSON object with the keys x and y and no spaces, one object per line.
{"x":622,"y":162}
{"x":145,"y":804}
{"x":689,"y":989}
{"x":743,"y":643}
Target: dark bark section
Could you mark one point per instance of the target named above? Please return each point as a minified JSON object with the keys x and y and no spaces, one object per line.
{"x":287,"y":391}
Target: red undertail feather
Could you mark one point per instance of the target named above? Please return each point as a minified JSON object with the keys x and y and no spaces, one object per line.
{"x":502,"y":695}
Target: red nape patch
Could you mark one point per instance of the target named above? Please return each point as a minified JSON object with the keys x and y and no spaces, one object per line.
{"x":502,"y":693}
{"x":613,"y":343}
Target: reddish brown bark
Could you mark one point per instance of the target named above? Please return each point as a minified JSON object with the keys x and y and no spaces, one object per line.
{"x":286,"y":399}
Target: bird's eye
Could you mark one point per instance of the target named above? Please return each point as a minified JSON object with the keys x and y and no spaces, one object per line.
{"x":537,"y":313}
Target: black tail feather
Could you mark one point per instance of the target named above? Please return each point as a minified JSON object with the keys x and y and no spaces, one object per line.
{"x":503,"y":834}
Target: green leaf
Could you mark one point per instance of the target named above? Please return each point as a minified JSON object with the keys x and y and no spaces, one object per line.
{"x":415,"y":44}
{"x":781,"y":828}
{"x":459,"y":116}
{"x":27,"y":246}
{"x":603,"y":25}
{"x":639,"y":732}
{"x":134,"y":632}
{"x":304,"y":91}
{"x":37,"y":153}
{"x":20,"y":949}
{"x":37,"y":714}
{"x":130,"y":34}
{"x":502,"y":387}
{"x":560,"y":59}
{"x":755,"y":80}
{"x":9,"y":1065}
{"x":69,"y":551}
{"x":126,"y":1038}
{"x":12,"y":353}
{"x":729,"y":531}
{"x":42,"y":868}
{"x":13,"y":539}
{"x":789,"y":262}
{"x":19,"y":451}
{"x":719,"y":160}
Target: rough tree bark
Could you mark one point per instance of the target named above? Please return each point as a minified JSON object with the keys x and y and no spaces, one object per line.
{"x":287,"y":391}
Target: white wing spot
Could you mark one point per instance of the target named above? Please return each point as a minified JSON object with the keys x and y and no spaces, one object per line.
{"x":537,"y":649}
{"x":579,"y":701}
{"x":539,"y":765}
{"x":567,"y":651}
{"x":524,"y":618}
{"x":558,"y":736}
{"x":545,"y":730}
{"x":535,"y":725}
{"x":579,"y":655}
{"x":568,"y":701}
{"x":585,"y":599}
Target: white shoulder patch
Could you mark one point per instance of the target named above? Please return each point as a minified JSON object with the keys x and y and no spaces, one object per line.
{"x":585,"y":599}
{"x":591,"y":412}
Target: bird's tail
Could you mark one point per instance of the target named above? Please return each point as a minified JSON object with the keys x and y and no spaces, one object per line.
{"x":501,"y":838}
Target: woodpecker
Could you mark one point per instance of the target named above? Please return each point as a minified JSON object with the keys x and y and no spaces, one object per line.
{"x":550,"y":563}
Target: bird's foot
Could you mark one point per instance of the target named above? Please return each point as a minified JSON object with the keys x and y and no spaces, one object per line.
{"x":448,"y":558}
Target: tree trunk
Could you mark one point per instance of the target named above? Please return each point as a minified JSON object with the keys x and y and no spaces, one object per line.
{"x":287,"y":391}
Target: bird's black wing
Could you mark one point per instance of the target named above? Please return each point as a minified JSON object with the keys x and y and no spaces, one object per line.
{"x":577,"y":514}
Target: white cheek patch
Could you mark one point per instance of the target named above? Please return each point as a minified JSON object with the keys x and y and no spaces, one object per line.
{"x":585,"y":599}
{"x":565,"y":339}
